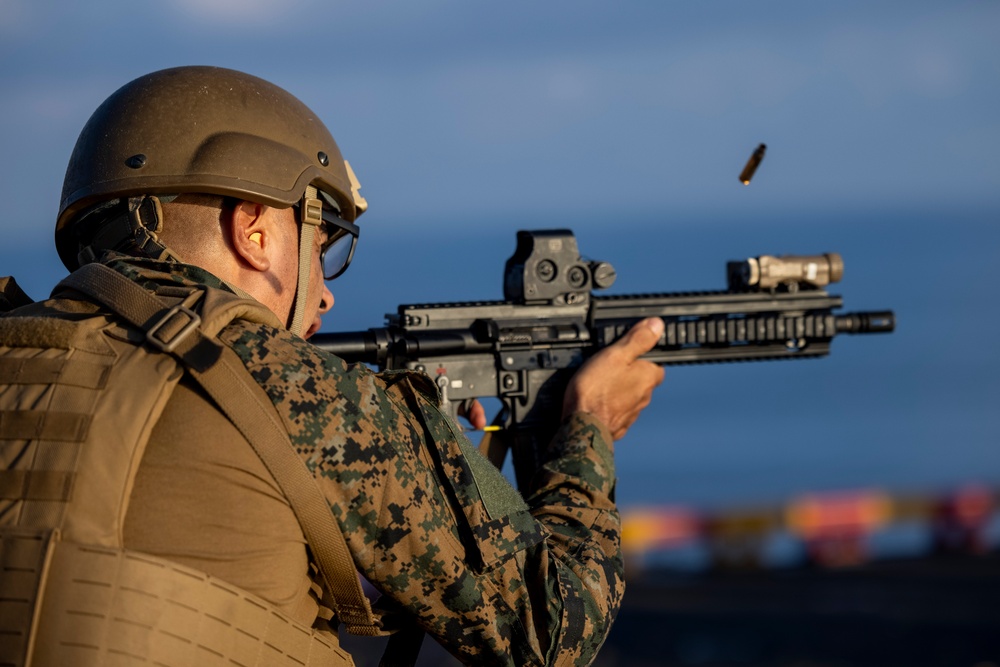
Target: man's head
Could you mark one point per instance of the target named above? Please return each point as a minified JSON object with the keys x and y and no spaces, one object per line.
{"x":208,"y":131}
{"x":250,"y":245}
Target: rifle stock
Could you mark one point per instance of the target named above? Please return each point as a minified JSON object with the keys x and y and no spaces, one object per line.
{"x":524,"y":349}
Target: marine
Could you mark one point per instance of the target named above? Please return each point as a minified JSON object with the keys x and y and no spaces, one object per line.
{"x":185,"y":480}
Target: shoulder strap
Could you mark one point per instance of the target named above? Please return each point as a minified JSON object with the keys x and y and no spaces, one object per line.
{"x":11,"y":295}
{"x":176,"y":330}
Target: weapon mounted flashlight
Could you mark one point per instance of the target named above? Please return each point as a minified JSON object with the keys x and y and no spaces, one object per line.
{"x":788,"y":271}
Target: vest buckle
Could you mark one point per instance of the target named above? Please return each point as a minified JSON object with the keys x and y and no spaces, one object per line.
{"x":165,"y":334}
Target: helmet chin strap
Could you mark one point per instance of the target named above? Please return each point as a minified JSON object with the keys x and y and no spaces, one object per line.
{"x":311,"y":217}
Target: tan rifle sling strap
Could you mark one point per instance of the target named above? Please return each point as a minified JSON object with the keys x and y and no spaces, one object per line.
{"x":220,"y":372}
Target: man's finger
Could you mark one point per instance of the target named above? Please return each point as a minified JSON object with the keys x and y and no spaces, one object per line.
{"x":641,"y":338}
{"x":477,"y":416}
{"x":474,"y":412}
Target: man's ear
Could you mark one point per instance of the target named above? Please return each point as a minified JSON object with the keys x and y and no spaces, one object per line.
{"x":250,"y":234}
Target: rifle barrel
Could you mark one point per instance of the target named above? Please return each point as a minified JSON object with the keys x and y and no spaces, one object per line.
{"x":874,"y":321}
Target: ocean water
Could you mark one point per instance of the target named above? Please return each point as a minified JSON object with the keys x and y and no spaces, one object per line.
{"x":915,"y":410}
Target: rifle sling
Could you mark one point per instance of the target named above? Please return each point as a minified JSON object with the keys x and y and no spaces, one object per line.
{"x":246,"y":404}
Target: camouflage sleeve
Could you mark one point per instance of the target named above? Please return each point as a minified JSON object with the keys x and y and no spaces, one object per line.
{"x":496,"y":578}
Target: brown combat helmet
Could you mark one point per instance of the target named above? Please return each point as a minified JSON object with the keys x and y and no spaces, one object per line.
{"x":207,"y":130}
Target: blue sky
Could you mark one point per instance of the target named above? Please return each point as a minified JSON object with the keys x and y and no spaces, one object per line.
{"x":629,"y":123}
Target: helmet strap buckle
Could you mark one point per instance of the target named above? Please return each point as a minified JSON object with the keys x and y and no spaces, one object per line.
{"x":145,"y":215}
{"x":130,"y":225}
{"x":311,"y":208}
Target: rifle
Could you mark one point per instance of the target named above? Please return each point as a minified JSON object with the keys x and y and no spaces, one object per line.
{"x":524,"y":349}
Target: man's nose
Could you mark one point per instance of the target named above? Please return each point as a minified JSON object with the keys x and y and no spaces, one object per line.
{"x":326,"y":300}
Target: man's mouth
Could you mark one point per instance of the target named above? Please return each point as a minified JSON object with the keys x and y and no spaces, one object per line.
{"x":313,"y":328}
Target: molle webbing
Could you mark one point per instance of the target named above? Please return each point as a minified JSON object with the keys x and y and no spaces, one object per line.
{"x":46,"y":485}
{"x":24,"y":557}
{"x":72,"y":372}
{"x":100,"y":606}
{"x":43,"y":425}
{"x":176,"y":330}
{"x":80,"y":397}
{"x":78,"y":403}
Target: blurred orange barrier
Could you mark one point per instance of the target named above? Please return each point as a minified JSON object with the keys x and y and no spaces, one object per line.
{"x":646,"y":529}
{"x":834,"y":527}
{"x":854,"y":512}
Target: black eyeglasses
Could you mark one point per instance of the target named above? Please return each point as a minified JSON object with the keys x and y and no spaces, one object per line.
{"x":338,"y":251}
{"x":342,"y":237}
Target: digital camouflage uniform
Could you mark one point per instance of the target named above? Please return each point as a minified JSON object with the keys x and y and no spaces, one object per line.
{"x":495,"y":578}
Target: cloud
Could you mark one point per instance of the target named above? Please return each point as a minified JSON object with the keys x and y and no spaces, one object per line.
{"x":55,"y":102}
{"x":496,"y":101}
{"x":239,"y":12}
{"x":931,"y":57}
{"x":14,"y":14}
{"x":719,"y":77}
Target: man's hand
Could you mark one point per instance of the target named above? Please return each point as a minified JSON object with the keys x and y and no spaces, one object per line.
{"x":615,"y":385}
